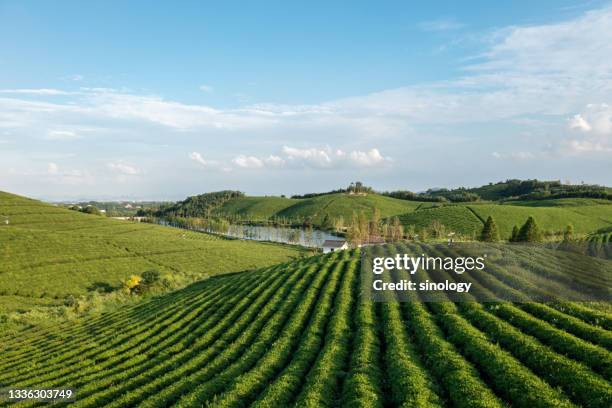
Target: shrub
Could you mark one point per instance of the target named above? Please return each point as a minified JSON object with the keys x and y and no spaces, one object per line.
{"x":150,"y":277}
{"x":515,"y":234}
{"x":530,"y":232}
{"x":490,"y":232}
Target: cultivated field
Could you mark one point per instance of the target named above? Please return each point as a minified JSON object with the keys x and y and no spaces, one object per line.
{"x":49,"y":253}
{"x":298,"y":333}
{"x":585,"y":215}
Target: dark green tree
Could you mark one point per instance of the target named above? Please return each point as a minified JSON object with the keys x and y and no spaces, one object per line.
{"x":327,"y":223}
{"x":150,"y":277}
{"x":515,"y":234}
{"x":490,"y":233}
{"x":530,"y":232}
{"x":568,"y":234}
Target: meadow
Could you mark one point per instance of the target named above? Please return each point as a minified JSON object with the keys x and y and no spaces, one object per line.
{"x":49,"y":253}
{"x":299,"y":334}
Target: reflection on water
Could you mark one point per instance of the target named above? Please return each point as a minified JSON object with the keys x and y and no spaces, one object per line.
{"x":308,"y":237}
{"x":301,"y":236}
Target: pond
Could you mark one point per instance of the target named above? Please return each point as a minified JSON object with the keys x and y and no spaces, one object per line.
{"x":308,"y":237}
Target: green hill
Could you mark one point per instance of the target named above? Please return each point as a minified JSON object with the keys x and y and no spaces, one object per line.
{"x":315,"y":208}
{"x":49,"y":252}
{"x":343,"y":205}
{"x":298,"y":334}
{"x":257,"y":208}
{"x":586,"y":215}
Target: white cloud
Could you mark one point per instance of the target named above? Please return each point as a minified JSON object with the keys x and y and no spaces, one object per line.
{"x":596,"y":118}
{"x":318,"y":158}
{"x":124,"y":169}
{"x":206,"y":88}
{"x":367,"y":159}
{"x":595,"y":124}
{"x":274,"y":161}
{"x":61,"y":135}
{"x":310,"y":156}
{"x":197,"y":157}
{"x":248,"y":162}
{"x":578,"y":122}
{"x":587,"y":146}
{"x":39,"y":91}
{"x":514,"y":155}
{"x":52,"y":168}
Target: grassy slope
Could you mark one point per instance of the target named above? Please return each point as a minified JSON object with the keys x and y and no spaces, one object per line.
{"x":583,"y":218}
{"x":336,"y":205}
{"x":256,"y":207}
{"x":585,"y":215}
{"x":456,"y":217}
{"x":49,"y":252}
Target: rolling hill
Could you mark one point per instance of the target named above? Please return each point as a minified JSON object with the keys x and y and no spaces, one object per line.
{"x":49,"y":252}
{"x":315,"y":208}
{"x":298,"y":334}
{"x":586,"y":215}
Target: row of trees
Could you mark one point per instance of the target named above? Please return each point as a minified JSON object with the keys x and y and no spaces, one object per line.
{"x":528,"y":232}
{"x":363,"y":230}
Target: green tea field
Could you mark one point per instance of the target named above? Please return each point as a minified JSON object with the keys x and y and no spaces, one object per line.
{"x":49,"y":253}
{"x":299,"y":334}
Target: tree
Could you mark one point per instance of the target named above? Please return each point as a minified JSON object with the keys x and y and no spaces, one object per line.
{"x":131,"y":284}
{"x":437,"y":229}
{"x":374,"y":226}
{"x":568,"y":234}
{"x":530,"y":232}
{"x":386,"y":231}
{"x":398,"y":229}
{"x":90,"y":209}
{"x":515,"y":234}
{"x":150,"y":277}
{"x":339,"y":223}
{"x":353,"y":233}
{"x":327,"y":224}
{"x":490,"y":232}
{"x":364,"y":230}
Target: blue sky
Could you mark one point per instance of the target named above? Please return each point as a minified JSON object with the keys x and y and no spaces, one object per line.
{"x":125,"y":99}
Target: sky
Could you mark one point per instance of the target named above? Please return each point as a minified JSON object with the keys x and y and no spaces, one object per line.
{"x":130,"y":100}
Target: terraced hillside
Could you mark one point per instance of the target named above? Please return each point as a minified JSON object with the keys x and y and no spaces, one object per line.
{"x":48,"y":253}
{"x":298,"y":334}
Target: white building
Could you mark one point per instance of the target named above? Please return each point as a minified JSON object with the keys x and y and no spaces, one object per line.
{"x":331,"y":245}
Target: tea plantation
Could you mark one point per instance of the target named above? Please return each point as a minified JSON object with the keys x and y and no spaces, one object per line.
{"x":299,"y":334}
{"x":49,"y":253}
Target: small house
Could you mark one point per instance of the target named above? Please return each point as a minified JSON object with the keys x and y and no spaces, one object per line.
{"x":331,"y":245}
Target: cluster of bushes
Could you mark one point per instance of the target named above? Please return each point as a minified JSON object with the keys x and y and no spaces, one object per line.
{"x":90,"y":209}
{"x":149,"y":281}
{"x":356,"y":187}
{"x":100,"y":293}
